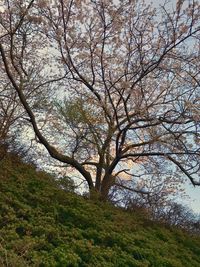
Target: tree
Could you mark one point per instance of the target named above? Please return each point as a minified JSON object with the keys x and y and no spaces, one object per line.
{"x":10,"y":115}
{"x":176,"y":214}
{"x":120,"y":85}
{"x":153,"y":193}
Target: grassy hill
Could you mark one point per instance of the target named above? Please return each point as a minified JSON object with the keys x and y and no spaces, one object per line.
{"x":42,"y":225}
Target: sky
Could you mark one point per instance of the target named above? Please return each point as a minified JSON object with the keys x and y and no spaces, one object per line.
{"x":193,"y":192}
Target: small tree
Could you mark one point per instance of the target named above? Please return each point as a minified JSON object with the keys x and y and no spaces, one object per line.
{"x":125,"y":78}
{"x":10,"y":116}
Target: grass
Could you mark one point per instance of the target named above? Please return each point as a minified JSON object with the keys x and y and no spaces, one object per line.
{"x":42,"y":225}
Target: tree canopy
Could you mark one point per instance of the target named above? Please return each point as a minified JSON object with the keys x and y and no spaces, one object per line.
{"x":111,"y":88}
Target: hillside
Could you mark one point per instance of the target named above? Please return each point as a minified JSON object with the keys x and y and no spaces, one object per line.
{"x":42,"y":225}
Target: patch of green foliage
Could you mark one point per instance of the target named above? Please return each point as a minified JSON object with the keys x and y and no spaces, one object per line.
{"x":43,"y":225}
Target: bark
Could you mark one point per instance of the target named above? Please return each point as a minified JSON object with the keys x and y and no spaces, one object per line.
{"x":107,"y":183}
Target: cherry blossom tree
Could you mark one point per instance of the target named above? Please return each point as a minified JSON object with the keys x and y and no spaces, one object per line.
{"x":118,"y":84}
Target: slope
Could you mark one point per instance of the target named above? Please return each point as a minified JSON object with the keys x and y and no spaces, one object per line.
{"x":42,"y":225}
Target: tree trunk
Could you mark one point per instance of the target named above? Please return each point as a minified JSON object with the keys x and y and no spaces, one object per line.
{"x":101,"y":193}
{"x":107,"y":183}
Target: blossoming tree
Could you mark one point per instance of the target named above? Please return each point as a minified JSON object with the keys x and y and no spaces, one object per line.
{"x":118,"y":82}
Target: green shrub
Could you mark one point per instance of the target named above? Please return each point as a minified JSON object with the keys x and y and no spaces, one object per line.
{"x":44,"y":224}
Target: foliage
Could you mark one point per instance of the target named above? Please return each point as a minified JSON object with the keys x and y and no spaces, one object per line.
{"x":172,"y":213}
{"x":43,"y":225}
